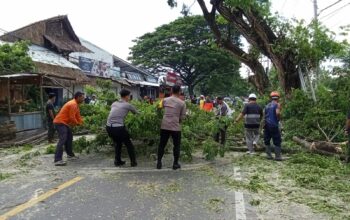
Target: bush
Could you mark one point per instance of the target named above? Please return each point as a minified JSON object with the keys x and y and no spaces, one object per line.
{"x":145,"y":126}
{"x":321,"y":120}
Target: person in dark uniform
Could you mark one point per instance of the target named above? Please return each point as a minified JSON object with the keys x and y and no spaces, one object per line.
{"x":271,"y":128}
{"x":50,"y":115}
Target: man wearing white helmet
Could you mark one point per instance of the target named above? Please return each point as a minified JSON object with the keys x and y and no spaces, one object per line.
{"x":253,"y":114}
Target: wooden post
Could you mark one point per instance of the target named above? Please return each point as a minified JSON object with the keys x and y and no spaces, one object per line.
{"x":41,"y":93}
{"x":9,"y":97}
{"x":42,"y":101}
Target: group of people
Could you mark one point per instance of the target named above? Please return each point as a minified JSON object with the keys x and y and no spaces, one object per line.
{"x":174,"y":113}
{"x":253,"y":115}
{"x":69,"y":116}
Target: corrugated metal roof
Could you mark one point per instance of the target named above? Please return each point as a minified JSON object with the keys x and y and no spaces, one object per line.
{"x":18,"y":75}
{"x":43,"y":55}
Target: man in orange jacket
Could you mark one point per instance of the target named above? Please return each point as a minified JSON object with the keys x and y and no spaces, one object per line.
{"x":68,"y":117}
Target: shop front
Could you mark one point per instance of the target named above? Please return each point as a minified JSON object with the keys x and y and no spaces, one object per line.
{"x":21,"y":100}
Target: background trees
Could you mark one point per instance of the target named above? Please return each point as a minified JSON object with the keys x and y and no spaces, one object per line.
{"x":186,"y":47}
{"x":14,"y":58}
{"x":289,"y":45}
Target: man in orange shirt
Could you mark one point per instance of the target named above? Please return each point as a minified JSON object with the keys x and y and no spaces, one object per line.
{"x":68,"y":117}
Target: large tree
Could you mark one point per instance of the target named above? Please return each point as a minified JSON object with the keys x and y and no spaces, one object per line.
{"x":287,"y":46}
{"x":186,"y":47}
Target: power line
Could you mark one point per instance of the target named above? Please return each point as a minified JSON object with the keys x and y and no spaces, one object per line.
{"x":329,"y":6}
{"x":331,"y":14}
{"x":284,"y":3}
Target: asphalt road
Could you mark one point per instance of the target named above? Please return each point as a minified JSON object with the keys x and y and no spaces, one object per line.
{"x":127,"y":193}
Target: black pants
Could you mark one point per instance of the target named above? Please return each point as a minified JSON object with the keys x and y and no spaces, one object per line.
{"x":65,"y":139}
{"x":119,"y":136}
{"x":222,"y":133}
{"x":164,"y":137}
{"x":274,"y":134}
{"x":50,"y":130}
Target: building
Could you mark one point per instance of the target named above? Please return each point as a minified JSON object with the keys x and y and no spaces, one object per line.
{"x":51,"y":42}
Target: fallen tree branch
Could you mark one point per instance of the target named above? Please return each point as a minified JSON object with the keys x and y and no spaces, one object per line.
{"x":323,"y":148}
{"x":322,"y":131}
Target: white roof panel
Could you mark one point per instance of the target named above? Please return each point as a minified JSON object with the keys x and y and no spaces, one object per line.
{"x":43,"y":55}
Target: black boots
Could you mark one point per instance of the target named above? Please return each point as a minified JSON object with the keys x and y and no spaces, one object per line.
{"x":120,"y":163}
{"x":176,"y":166}
{"x":133,"y":164}
{"x":159,"y":165}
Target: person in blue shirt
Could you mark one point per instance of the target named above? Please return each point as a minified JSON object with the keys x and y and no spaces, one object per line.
{"x":271,"y":127}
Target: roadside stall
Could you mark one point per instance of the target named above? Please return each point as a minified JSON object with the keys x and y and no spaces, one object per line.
{"x":21,"y":101}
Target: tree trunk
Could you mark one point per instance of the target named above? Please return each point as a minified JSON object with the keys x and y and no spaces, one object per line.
{"x":190,"y":90}
{"x":260,"y":79}
{"x":287,"y":72}
{"x":321,"y":147}
{"x":256,"y":30}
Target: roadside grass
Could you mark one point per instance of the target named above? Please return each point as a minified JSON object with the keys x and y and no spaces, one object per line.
{"x":322,"y":183}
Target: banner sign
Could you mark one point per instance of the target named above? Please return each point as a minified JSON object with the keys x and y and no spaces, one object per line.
{"x":173,"y":79}
{"x":95,"y":67}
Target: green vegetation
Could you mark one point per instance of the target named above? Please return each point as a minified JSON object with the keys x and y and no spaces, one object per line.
{"x":215,"y":204}
{"x":14,"y":58}
{"x":4,"y":176}
{"x":27,"y":147}
{"x":320,"y":182}
{"x":25,"y":158}
{"x":187,"y":47}
{"x":198,"y":128}
{"x":51,"y":149}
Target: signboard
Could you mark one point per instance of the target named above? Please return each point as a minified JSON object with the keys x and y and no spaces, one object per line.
{"x":95,"y":67}
{"x":114,"y":72}
{"x":173,"y":79}
{"x":86,"y":64}
{"x":151,"y":79}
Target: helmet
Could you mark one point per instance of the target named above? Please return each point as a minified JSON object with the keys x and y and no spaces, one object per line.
{"x":252,"y":96}
{"x":274,"y":94}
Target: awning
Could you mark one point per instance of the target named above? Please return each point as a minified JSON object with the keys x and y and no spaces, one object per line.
{"x":132,"y":82}
{"x":18,"y":75}
{"x":149,"y":84}
{"x":22,"y":78}
{"x":122,"y":81}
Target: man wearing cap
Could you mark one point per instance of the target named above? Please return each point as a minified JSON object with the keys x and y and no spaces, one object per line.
{"x":253,"y":114}
{"x":271,"y":127}
{"x":68,"y":117}
{"x":50,"y":115}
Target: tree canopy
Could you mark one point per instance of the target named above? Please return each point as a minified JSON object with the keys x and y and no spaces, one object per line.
{"x":14,"y":58}
{"x":287,"y":44}
{"x":186,"y":47}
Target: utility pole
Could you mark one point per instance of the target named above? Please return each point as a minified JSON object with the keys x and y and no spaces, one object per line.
{"x":316,"y":70}
{"x":315,"y":10}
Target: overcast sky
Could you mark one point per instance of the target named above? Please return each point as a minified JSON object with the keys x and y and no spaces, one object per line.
{"x":113,"y":24}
